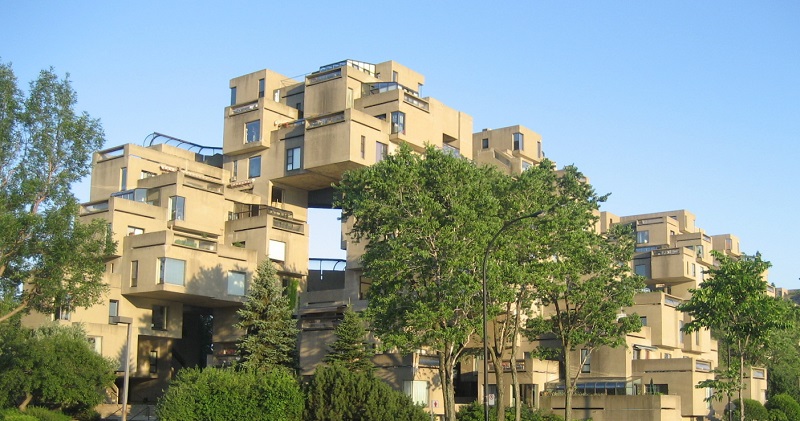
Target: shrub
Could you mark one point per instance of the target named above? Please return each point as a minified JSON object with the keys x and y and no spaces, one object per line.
{"x":225,"y":394}
{"x":784,"y":403}
{"x":336,"y":393}
{"x":777,"y":415}
{"x":43,"y":414}
{"x":753,"y":410}
{"x":474,"y":412}
{"x":19,"y":417}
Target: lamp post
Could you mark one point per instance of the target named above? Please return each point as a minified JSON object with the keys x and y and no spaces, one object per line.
{"x":486,"y":312}
{"x":127,"y":321}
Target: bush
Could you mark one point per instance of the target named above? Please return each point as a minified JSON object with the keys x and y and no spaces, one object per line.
{"x":19,"y":417}
{"x":43,"y":414}
{"x":777,"y":415}
{"x":474,"y":412}
{"x":784,"y":403}
{"x":753,"y":410}
{"x":336,"y":393}
{"x":225,"y":394}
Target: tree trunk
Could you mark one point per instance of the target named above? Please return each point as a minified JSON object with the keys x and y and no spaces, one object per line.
{"x":13,"y":312}
{"x":446,"y":366}
{"x":24,"y":405}
{"x":499,"y":401}
{"x":741,"y":386}
{"x":514,"y":374}
{"x":567,"y":384}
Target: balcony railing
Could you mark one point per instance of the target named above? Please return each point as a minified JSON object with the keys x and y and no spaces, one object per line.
{"x":244,"y":108}
{"x":323,"y":77}
{"x":416,"y":102}
{"x":288,"y":225}
{"x":325,"y":120}
{"x":260,"y":210}
{"x":365,"y":67}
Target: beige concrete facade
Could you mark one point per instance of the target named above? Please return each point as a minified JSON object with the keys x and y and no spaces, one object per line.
{"x":191,"y":224}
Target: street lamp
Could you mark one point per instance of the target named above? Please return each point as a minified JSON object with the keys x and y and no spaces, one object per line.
{"x":486,"y":312}
{"x":114,"y":320}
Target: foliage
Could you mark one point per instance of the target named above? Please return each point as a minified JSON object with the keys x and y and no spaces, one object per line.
{"x":733,"y":303}
{"x":474,"y":412}
{"x":44,"y":414}
{"x":337,"y":393}
{"x":426,"y":220}
{"x":350,"y":347}
{"x":270,"y":338}
{"x":44,"y":147}
{"x":783,"y":364}
{"x":226,"y":394}
{"x":51,"y":365}
{"x":786,"y":404}
{"x":753,"y":410}
{"x":585,"y":279}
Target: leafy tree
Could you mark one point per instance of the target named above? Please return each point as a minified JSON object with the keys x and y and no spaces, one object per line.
{"x":786,"y":404}
{"x":733,"y":303}
{"x":474,"y":412}
{"x":783,"y":364}
{"x":350,"y":348}
{"x":337,"y":393}
{"x":52,"y":365}
{"x":426,"y":220}
{"x":44,"y":147}
{"x":753,"y":411}
{"x":225,"y":394}
{"x":270,"y":338}
{"x":583,"y":279}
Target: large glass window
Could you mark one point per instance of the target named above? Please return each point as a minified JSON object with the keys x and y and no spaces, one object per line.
{"x":171,"y":271}
{"x":233,"y":95}
{"x":484,"y":143}
{"x":236,"y":283}
{"x":261,"y":86}
{"x":123,"y":179}
{"x":586,"y":358}
{"x":293,"y":159}
{"x":277,"y":250}
{"x":381,"y":150}
{"x":640,"y":270}
{"x":159,"y":318}
{"x":254,"y":167}
{"x":417,"y":390}
{"x":113,"y":309}
{"x":253,"y":131}
{"x":398,"y":122}
{"x":134,"y":273}
{"x":519,"y":141}
{"x":642,"y":237}
{"x":177,"y":208}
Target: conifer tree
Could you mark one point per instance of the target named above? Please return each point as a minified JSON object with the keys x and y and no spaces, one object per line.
{"x":350,"y":348}
{"x":270,"y":338}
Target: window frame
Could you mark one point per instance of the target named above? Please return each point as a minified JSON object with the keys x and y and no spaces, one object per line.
{"x":254,"y":166}
{"x":252,"y":128}
{"x":162,"y":312}
{"x":177,"y":208}
{"x":232,"y":281}
{"x":518,"y":141}
{"x":294,"y":157}
{"x":166,"y":269}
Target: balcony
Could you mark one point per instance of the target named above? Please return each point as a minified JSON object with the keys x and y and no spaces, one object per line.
{"x":674,"y":265}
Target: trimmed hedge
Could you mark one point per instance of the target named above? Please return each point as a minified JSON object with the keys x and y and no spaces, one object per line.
{"x":225,"y":394}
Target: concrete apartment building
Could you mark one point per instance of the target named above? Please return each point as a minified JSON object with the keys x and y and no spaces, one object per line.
{"x":192,"y":222}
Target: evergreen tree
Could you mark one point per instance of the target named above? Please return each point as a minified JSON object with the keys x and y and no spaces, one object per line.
{"x":270,"y":338}
{"x":350,"y":348}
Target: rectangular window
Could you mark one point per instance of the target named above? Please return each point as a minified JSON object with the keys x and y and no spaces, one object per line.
{"x":637,"y":354}
{"x":293,"y":159}
{"x":159,"y":318}
{"x":519,"y":141}
{"x":363,"y":146}
{"x":539,"y":149}
{"x":235,"y":168}
{"x":680,"y":332}
{"x":525,"y":165}
{"x":349,"y":97}
{"x":135,"y":230}
{"x":277,"y":250}
{"x":728,"y":244}
{"x":299,"y":107}
{"x":252,"y":131}
{"x":694,"y":269}
{"x":123,"y":179}
{"x":363,"y":289}
{"x":586,"y":359}
{"x":417,"y":390}
{"x":277,"y":196}
{"x":643,"y":319}
{"x":153,"y":361}
{"x":113,"y":309}
{"x":171,"y":271}
{"x":640,"y":270}
{"x":381,"y":150}
{"x":398,"y":122}
{"x":233,"y":96}
{"x":276,"y":95}
{"x":236,"y":283}
{"x":134,"y":273}
{"x":177,"y":208}
{"x":642,"y":237}
{"x":394,"y":76}
{"x":146,"y":174}
{"x":261,"y":87}
{"x":254,"y":167}
{"x":484,"y":143}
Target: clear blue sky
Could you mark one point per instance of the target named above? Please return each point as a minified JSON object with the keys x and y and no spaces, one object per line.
{"x":667,"y":105}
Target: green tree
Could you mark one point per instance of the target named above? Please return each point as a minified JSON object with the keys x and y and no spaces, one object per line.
{"x":44,"y":148}
{"x":337,"y":393}
{"x":51,"y":365}
{"x":583,"y":279}
{"x":733,"y":303}
{"x":426,"y":220}
{"x":783,"y":364}
{"x":270,"y":338}
{"x":350,"y":347}
{"x":225,"y":394}
{"x":786,"y":404}
{"x":753,"y":411}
